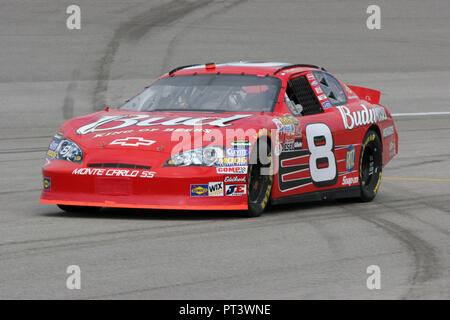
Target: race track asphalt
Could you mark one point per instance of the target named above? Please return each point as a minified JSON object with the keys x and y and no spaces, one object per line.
{"x":317,"y":250}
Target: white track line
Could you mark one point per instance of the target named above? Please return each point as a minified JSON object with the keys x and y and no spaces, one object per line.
{"x":419,"y":114}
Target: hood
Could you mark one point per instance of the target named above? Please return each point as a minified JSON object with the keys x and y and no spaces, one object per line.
{"x":158,"y":131}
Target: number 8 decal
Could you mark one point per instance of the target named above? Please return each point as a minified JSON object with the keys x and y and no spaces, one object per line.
{"x":322,"y":162}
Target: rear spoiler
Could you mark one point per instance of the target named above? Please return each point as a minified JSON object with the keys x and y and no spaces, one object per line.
{"x":370,"y":95}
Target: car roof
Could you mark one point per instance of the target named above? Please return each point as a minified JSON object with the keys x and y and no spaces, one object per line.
{"x":256,"y":68}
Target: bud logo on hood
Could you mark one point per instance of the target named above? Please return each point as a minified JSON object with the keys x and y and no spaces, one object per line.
{"x":146,"y":120}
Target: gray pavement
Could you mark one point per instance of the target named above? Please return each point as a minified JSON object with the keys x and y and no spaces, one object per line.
{"x":319,"y":250}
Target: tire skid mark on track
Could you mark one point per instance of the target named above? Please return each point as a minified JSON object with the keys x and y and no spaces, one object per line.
{"x":420,"y":163}
{"x":425,"y":129}
{"x":173,"y":286}
{"x":27,"y":159}
{"x":176,"y":38}
{"x":273,"y":219}
{"x":402,"y":207}
{"x":68,"y":103}
{"x":335,"y":250}
{"x":425,"y":259}
{"x":241,"y":277}
{"x":140,"y":234}
{"x":433,"y":156}
{"x":18,"y":191}
{"x":9,"y":151}
{"x":404,"y":212}
{"x":134,"y":29}
{"x":124,"y":231}
{"x":26,"y":138}
{"x":426,"y":262}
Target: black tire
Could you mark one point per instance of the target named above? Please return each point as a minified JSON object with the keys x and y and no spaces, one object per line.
{"x":259,"y":182}
{"x":78,"y":209}
{"x":370,"y":166}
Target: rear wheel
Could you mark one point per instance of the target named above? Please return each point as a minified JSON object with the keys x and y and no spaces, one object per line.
{"x":79,"y":209}
{"x":370,"y":166}
{"x":260,"y":179}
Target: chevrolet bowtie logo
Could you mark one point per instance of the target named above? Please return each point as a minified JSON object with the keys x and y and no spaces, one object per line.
{"x":133,"y":142}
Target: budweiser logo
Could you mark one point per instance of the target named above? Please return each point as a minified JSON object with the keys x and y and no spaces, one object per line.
{"x":353,"y":119}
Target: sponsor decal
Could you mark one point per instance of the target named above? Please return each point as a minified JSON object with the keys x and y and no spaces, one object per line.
{"x":292,"y":145}
{"x":103,"y":172}
{"x":215,"y":189}
{"x":113,"y":133}
{"x":288,"y":129}
{"x":54,"y":144}
{"x":51,"y":155}
{"x":314,"y":83}
{"x":59,"y":135}
{"x":349,"y":91}
{"x":47,"y":184}
{"x":133,"y":142}
{"x":235,"y":189}
{"x":232,"y":170}
{"x":287,"y":121}
{"x":349,"y":181}
{"x":318,"y":90}
{"x":392,"y":148}
{"x":350,"y":158}
{"x":51,"y":152}
{"x":241,"y":143}
{"x":322,"y":97}
{"x":388,"y":131}
{"x":233,"y":161}
{"x":326,"y":105}
{"x":108,"y":123}
{"x":235,"y":179}
{"x":366,"y":116}
{"x":236,"y":152}
{"x":199,"y":190}
{"x":310,"y":76}
{"x":278,"y":148}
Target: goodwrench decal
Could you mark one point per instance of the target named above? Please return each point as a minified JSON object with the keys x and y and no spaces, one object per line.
{"x":119,"y":122}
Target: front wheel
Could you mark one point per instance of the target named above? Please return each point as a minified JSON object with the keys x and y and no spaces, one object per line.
{"x":260,"y":179}
{"x":370,"y":166}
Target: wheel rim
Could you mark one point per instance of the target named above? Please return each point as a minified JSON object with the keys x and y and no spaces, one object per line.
{"x":370,"y":164}
{"x":258,"y":182}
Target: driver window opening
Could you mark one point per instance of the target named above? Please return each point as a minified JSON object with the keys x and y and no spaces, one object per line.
{"x":303,"y":98}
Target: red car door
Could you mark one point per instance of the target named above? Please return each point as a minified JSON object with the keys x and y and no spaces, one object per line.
{"x":327,"y":157}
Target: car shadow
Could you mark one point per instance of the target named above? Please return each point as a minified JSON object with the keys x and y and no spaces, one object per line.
{"x":154,"y":214}
{"x":148,"y":214}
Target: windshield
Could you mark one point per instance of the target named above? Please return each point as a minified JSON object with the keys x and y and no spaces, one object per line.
{"x":208,"y":92}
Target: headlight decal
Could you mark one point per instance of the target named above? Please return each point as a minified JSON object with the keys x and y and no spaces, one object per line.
{"x":211,"y":156}
{"x":64,"y":149}
{"x":203,"y":157}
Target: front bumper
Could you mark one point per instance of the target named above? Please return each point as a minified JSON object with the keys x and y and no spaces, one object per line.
{"x":169,"y":188}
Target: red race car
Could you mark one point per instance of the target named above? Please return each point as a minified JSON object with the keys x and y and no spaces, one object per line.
{"x":234,"y":136}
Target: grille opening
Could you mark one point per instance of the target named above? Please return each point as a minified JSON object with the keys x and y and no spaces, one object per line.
{"x":117,"y":165}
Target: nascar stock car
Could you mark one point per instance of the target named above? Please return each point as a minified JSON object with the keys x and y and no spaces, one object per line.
{"x":233,"y":136}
